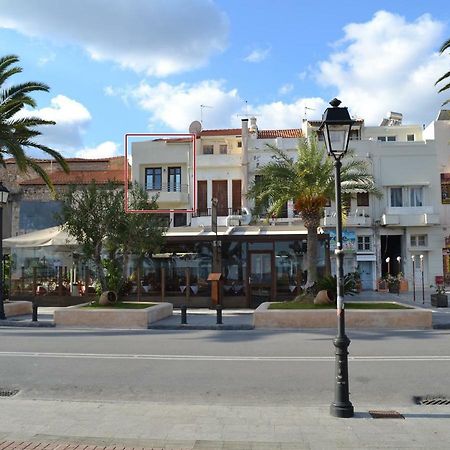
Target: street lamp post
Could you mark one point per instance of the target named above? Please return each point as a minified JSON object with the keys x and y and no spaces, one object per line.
{"x":3,"y":199}
{"x":414,"y":276}
{"x":423,"y":285}
{"x":388,"y":262}
{"x":336,"y":126}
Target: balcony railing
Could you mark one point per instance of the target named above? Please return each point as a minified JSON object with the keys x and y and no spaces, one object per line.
{"x":220,"y":212}
{"x":167,"y":187}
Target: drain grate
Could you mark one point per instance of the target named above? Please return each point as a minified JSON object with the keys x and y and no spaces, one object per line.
{"x":5,"y":392}
{"x":432,"y":400}
{"x":386,"y":415}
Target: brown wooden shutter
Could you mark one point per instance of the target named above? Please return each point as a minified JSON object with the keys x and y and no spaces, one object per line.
{"x":202,"y":197}
{"x":236,"y":197}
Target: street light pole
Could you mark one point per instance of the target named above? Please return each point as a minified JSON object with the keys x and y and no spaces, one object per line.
{"x":3,"y":199}
{"x":414,"y":276}
{"x":336,"y":126}
{"x":423,"y":285}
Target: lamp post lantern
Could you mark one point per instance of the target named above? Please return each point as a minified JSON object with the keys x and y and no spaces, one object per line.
{"x":388,"y":262}
{"x":336,"y":126}
{"x":3,"y":199}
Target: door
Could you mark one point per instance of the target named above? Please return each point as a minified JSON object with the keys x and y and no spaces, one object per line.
{"x":202,"y":197}
{"x":236,"y":197}
{"x":220,"y":191}
{"x":260,"y":279}
{"x":365,"y":270}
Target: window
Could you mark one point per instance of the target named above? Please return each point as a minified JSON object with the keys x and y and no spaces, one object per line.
{"x":416,"y":196}
{"x":354,"y":135}
{"x":418,"y":240}
{"x":387,"y":138}
{"x":153,"y":178}
{"x":381,"y":138}
{"x":410,"y":137}
{"x":364,"y":243}
{"x":223,"y":149}
{"x":362,"y":199}
{"x":392,"y":138}
{"x":208,"y":149}
{"x":396,"y":196}
{"x":174,"y":181}
{"x":239,"y":144}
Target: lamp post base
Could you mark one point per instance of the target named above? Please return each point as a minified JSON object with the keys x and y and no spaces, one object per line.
{"x":342,"y":411}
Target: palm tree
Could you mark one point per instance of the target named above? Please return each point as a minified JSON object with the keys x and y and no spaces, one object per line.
{"x":308,"y":180}
{"x":446,"y":77}
{"x":17,"y":132}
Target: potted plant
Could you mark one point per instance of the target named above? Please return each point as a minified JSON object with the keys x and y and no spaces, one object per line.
{"x":382,"y":285}
{"x":393,"y":283}
{"x":403,"y":282}
{"x":439,"y":299}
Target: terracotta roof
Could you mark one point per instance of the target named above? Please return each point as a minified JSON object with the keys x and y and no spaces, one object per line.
{"x":79,"y":177}
{"x":290,"y":133}
{"x":224,"y":132}
{"x":12,"y":160}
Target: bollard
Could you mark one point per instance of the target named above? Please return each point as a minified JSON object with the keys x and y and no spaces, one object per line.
{"x":219,"y":314}
{"x":35,"y":312}
{"x":183,"y":314}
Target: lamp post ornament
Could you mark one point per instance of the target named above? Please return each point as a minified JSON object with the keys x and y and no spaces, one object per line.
{"x":336,"y":126}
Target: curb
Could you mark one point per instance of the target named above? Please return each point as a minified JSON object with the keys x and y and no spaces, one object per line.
{"x":23,"y":324}
{"x":201,"y":327}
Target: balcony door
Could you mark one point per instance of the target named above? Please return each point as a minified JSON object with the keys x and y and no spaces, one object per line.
{"x":220,"y":191}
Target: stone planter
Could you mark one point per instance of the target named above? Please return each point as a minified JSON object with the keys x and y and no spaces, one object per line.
{"x":413,"y":318}
{"x":404,"y":285}
{"x":439,"y":300}
{"x":382,"y":286}
{"x":77,"y":316}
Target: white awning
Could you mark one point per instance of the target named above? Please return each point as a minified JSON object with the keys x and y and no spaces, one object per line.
{"x":42,"y":238}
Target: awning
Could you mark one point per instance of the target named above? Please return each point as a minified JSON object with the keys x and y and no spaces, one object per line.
{"x":42,"y":238}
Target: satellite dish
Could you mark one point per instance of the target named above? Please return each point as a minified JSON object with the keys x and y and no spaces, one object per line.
{"x":195,"y":127}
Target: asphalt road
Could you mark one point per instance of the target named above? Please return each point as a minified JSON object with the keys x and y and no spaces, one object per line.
{"x":222,"y":367}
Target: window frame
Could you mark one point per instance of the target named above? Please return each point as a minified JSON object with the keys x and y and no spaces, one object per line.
{"x":210,"y":148}
{"x":154,"y":186}
{"x":362,"y":199}
{"x":176,"y":172}
{"x":364,"y":243}
{"x":223,"y":147}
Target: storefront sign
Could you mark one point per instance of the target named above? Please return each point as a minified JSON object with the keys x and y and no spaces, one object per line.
{"x":445,"y":188}
{"x":348,"y":241}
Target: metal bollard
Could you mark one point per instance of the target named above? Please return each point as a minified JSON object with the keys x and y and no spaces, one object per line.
{"x":183,"y":314}
{"x":219,"y":314}
{"x":35,"y":312}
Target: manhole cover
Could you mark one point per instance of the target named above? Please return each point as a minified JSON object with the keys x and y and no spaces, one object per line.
{"x":432,"y":400}
{"x":386,"y":415}
{"x":5,"y":392}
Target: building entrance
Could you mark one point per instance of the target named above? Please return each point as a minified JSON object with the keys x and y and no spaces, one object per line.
{"x":260,"y":280}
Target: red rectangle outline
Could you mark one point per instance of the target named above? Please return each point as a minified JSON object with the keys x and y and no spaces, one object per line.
{"x":160,"y":211}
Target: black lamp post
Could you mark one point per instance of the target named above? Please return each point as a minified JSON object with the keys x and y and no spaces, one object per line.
{"x":3,"y":199}
{"x":336,"y":126}
{"x":414,"y":276}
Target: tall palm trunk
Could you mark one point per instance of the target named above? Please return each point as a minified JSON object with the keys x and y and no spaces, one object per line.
{"x":311,"y":220}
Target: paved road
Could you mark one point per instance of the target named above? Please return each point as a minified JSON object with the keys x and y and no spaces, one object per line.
{"x":222,"y":367}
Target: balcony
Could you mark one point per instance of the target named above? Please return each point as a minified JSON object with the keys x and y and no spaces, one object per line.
{"x":410,"y":217}
{"x":169,"y":194}
{"x":353,"y":219}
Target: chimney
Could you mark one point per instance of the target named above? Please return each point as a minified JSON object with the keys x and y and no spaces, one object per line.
{"x":253,"y":126}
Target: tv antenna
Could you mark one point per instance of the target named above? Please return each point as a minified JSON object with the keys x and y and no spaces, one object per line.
{"x":306,"y":111}
{"x":246,"y":113}
{"x":202,"y":107}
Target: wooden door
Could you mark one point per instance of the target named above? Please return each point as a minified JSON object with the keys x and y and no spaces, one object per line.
{"x":220,"y":191}
{"x":202,"y":197}
{"x":236,"y":197}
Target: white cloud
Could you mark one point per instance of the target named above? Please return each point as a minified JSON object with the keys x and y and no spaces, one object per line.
{"x":285,"y":89}
{"x":103,"y":150}
{"x":174,"y":107}
{"x":158,"y":37}
{"x":388,"y":64}
{"x":71,"y":119}
{"x":44,"y":60}
{"x":257,"y":55}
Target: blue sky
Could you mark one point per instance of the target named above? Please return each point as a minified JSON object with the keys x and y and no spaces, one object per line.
{"x":117,"y":66}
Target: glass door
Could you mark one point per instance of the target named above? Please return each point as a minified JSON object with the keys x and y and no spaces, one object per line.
{"x":260,"y":278}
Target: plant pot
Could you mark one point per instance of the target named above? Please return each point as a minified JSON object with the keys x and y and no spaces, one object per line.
{"x":382,"y":286}
{"x":404,"y":285}
{"x":439,"y":300}
{"x":394,"y":288}
{"x":107,"y":298}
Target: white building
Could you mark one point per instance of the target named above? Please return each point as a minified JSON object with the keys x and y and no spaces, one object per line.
{"x":409,"y":163}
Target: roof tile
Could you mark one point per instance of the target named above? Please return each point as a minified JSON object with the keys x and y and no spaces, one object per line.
{"x":79,"y":177}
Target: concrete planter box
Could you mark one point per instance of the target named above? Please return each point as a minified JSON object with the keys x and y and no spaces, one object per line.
{"x":439,"y":300}
{"x":77,"y":316}
{"x":413,"y":318}
{"x":17,"y":308}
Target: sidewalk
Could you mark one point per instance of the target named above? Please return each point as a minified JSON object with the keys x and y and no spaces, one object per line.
{"x":192,"y":427}
{"x":242,"y":319}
